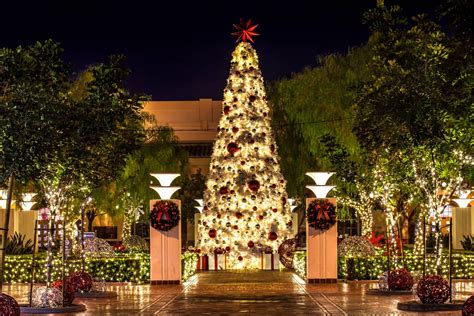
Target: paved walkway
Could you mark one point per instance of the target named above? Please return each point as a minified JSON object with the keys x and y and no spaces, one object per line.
{"x":246,"y":292}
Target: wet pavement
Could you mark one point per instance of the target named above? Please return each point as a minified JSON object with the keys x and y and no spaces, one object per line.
{"x":246,"y":292}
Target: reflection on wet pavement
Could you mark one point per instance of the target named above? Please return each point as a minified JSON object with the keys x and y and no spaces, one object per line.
{"x":255,"y":292}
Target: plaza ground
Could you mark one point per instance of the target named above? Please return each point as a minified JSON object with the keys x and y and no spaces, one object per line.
{"x":246,"y":292}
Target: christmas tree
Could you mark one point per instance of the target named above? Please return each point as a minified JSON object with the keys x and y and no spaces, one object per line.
{"x":246,"y":210}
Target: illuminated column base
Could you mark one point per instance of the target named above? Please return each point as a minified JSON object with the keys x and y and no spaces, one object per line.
{"x":165,"y":253}
{"x":321,"y":252}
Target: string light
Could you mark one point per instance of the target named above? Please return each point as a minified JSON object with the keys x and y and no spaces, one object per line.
{"x":246,"y":207}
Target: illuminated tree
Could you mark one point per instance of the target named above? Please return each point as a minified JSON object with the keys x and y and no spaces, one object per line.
{"x":245,"y":201}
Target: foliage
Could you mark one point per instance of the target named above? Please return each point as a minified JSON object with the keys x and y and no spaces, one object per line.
{"x":468,"y":242}
{"x":188,"y":262}
{"x":33,"y":88}
{"x":123,"y":268}
{"x":314,"y":103}
{"x":160,"y":153}
{"x":299,"y":263}
{"x":192,"y":188}
{"x":16,"y":245}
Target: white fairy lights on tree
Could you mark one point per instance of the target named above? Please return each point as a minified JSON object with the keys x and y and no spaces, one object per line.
{"x":246,"y":208}
{"x":437,"y":192}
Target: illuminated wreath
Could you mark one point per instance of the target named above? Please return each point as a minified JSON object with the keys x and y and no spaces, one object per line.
{"x":321,"y":214}
{"x":433,"y":289}
{"x":164,"y":215}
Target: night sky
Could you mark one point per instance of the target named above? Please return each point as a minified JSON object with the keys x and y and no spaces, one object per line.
{"x":182,"y":51}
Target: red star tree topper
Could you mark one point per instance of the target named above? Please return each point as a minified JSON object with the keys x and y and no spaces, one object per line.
{"x":245,"y":31}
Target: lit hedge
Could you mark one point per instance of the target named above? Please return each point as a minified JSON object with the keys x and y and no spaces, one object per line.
{"x":299,"y":263}
{"x":370,"y":268}
{"x":189,"y":265}
{"x":123,"y":268}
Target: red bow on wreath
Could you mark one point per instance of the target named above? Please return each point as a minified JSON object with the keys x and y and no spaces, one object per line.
{"x":322,"y":212}
{"x":163,"y":213}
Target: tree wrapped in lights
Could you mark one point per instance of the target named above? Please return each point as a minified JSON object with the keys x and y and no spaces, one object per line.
{"x":245,"y":201}
{"x":438,"y":175}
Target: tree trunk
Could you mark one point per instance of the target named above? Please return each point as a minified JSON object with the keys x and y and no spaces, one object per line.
{"x":3,"y":242}
{"x":91,"y":215}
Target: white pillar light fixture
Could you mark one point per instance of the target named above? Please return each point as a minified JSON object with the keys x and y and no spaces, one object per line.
{"x":320,"y":190}
{"x":320,"y":178}
{"x":27,"y":197}
{"x":3,"y":194}
{"x":463,"y":202}
{"x":3,"y":203}
{"x":165,"y":193}
{"x":201,"y":205}
{"x":27,"y":205}
{"x":165,"y":179}
{"x":199,"y":208}
{"x":293,"y":204}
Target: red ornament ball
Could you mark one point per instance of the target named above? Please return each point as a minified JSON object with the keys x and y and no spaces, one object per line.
{"x":468,"y":307}
{"x":240,"y":258}
{"x":254,"y":208}
{"x":82,"y":281}
{"x":227,"y":248}
{"x":275,"y":210}
{"x":8,"y":305}
{"x":433,"y":289}
{"x":236,"y":227}
{"x":235,"y":129}
{"x":69,"y":290}
{"x":260,"y":217}
{"x":250,"y":244}
{"x":232,"y":148}
{"x":253,"y":185}
{"x":212,"y":233}
{"x":226,"y":109}
{"x":272,"y":236}
{"x":239,"y":215}
{"x":400,"y":280}
{"x":224,"y":190}
{"x":252,"y":98}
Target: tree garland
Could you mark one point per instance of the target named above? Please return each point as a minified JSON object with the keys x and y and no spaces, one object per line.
{"x":164,"y":215}
{"x":321,"y":214}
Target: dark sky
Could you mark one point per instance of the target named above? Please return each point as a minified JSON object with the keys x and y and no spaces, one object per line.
{"x":179,"y":50}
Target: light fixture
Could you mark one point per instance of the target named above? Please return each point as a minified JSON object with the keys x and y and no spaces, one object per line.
{"x":3,"y":203}
{"x":320,"y":190}
{"x":165,"y":179}
{"x":463,"y":202}
{"x":3,"y":194}
{"x":27,"y":197}
{"x":293,"y":204}
{"x":27,"y":205}
{"x":201,"y":205}
{"x":165,"y":193}
{"x":464,"y":194}
{"x":199,"y":208}
{"x":320,"y":178}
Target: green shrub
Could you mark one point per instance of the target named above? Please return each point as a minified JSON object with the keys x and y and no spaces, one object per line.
{"x":16,"y":245}
{"x":468,"y":243}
